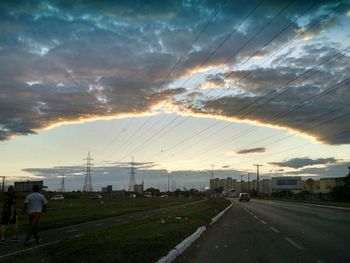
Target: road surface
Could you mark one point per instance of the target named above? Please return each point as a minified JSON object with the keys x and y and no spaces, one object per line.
{"x":272,"y":231}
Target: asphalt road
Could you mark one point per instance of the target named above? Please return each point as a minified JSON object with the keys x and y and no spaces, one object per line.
{"x":272,"y":231}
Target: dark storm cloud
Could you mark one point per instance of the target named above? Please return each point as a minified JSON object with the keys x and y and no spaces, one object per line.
{"x":302,"y":162}
{"x":304,"y":105}
{"x":338,"y":169}
{"x":253,"y":150}
{"x":73,"y":61}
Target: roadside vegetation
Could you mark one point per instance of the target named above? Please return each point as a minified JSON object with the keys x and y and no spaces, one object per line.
{"x":79,"y":208}
{"x":145,"y":240}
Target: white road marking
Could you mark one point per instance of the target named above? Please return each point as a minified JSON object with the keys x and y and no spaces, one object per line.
{"x":262,"y":221}
{"x":274,"y":229}
{"x":29,"y":249}
{"x":256,"y":217}
{"x":293,"y":243}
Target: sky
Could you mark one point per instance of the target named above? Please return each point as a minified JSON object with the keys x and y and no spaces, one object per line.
{"x":186,"y":88}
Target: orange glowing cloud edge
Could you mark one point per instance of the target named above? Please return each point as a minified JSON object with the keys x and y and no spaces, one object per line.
{"x":168,"y":107}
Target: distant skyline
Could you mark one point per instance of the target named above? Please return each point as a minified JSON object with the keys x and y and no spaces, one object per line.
{"x":178,"y":85}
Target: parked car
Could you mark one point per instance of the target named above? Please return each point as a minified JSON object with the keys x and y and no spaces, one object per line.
{"x":97,"y":197}
{"x":244,"y":197}
{"x":57,"y":197}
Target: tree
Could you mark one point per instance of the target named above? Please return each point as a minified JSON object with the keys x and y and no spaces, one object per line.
{"x":342,"y":193}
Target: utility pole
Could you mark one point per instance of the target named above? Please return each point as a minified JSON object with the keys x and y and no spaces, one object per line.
{"x":3,"y":184}
{"x":62,"y":184}
{"x":168,"y":182}
{"x":257,"y":175}
{"x":248,"y":182}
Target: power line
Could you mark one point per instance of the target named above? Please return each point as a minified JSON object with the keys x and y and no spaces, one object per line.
{"x":178,"y":116}
{"x":226,"y":38}
{"x":305,"y":130}
{"x":219,"y":121}
{"x":197,"y":37}
{"x":311,"y":99}
{"x":283,"y":86}
{"x":296,"y":147}
{"x":247,"y":74}
{"x":178,"y":61}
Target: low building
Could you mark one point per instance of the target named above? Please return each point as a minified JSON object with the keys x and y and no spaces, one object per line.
{"x":311,"y":185}
{"x":138,"y":188}
{"x":107,"y":189}
{"x":286,"y":183}
{"x":265,"y":187}
{"x":327,"y":184}
{"x":27,"y":186}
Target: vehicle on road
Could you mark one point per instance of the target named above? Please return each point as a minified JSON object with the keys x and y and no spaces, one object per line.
{"x":244,"y":197}
{"x":57,"y":197}
{"x":97,"y":197}
{"x":147,"y":194}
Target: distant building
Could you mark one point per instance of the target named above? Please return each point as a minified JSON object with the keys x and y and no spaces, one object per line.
{"x":27,"y":186}
{"x":311,"y":185}
{"x":138,"y":188}
{"x":327,"y":184}
{"x":214,"y":184}
{"x":227,"y":184}
{"x":107,"y":189}
{"x":286,"y":183}
{"x":265,"y":186}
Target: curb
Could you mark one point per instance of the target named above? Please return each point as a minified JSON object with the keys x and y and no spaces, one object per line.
{"x":181,"y":247}
{"x":217,"y":217}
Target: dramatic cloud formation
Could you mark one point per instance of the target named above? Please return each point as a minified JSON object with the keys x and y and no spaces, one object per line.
{"x":302,"y":162}
{"x":76,"y":61}
{"x":338,"y":169}
{"x":253,"y":150}
{"x":315,"y":104}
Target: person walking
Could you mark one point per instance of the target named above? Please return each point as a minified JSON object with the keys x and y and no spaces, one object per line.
{"x":35,"y":203}
{"x":8,"y":215}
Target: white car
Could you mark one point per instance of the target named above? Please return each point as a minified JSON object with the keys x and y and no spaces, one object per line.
{"x":57,"y":197}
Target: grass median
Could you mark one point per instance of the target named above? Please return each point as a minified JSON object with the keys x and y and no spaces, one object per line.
{"x":80,"y":208}
{"x":144,"y":240}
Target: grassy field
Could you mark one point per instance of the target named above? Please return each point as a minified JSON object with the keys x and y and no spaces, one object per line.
{"x":79,"y":208}
{"x":144,"y":240}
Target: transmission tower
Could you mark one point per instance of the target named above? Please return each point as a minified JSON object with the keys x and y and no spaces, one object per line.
{"x":87,"y":182}
{"x":62,"y":184}
{"x":132,"y":180}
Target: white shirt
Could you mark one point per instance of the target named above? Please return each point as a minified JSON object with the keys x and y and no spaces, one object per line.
{"x":35,"y":202}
